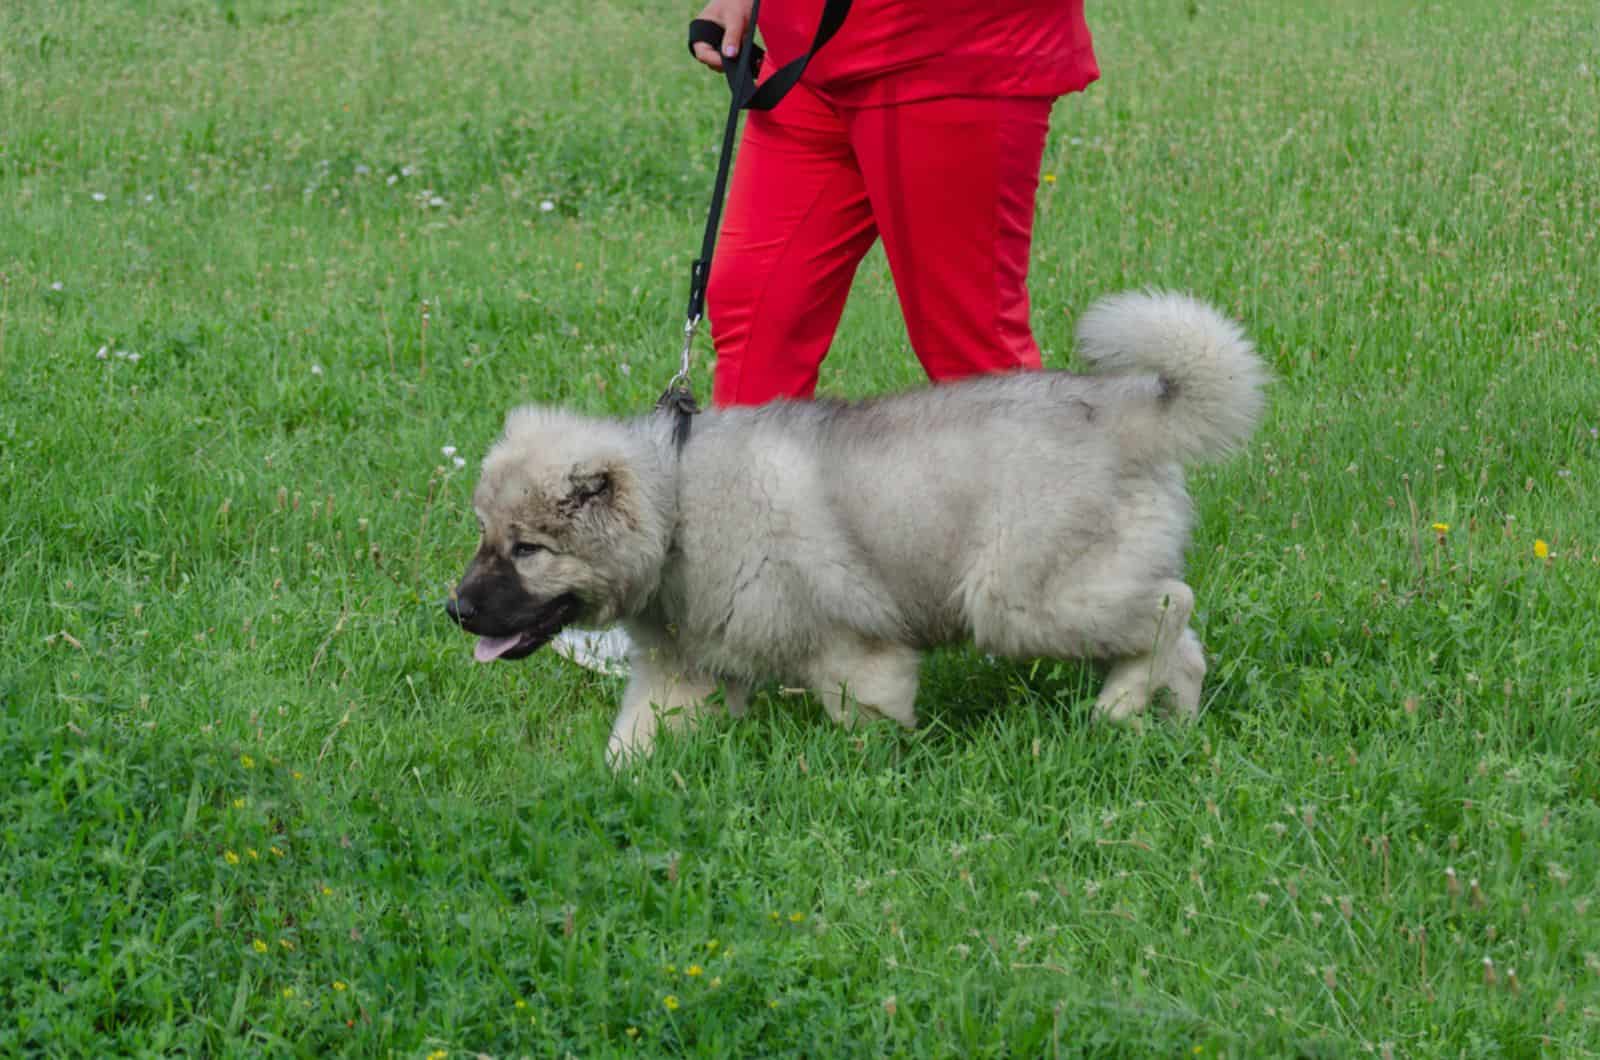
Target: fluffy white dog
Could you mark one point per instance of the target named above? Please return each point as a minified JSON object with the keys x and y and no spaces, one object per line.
{"x":829,"y":543}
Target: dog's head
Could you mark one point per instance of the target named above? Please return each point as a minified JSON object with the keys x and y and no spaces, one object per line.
{"x":574,"y":529}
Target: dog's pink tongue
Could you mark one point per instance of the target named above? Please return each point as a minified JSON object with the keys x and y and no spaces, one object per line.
{"x":491,"y":648}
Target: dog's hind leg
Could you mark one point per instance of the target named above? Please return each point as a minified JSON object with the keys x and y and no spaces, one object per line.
{"x":1173,"y":661}
{"x":657,"y":693}
{"x":860,"y":677}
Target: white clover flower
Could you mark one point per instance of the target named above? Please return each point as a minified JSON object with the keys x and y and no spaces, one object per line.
{"x":58,"y":286}
{"x":149,"y":198}
{"x":547,"y":206}
{"x":316,"y":369}
{"x":448,"y":450}
{"x":102,"y":353}
{"x":406,"y":171}
{"x":362,"y":169}
{"x":436,"y":201}
{"x":98,"y":196}
{"x":625,"y":368}
{"x":460,"y":462}
{"x":133,"y":358}
{"x":392,"y":180}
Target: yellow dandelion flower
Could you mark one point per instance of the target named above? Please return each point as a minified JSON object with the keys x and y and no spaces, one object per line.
{"x":327,"y":891}
{"x":250,"y":853}
{"x":519,"y":1003}
{"x":230,"y":857}
{"x":693,"y":970}
{"x":795,"y":918}
{"x":288,"y":992}
{"x":276,"y":852}
{"x":633,"y":1032}
{"x":247,"y":761}
{"x":671,"y":1001}
{"x":773,"y":1003}
{"x":298,"y":775}
{"x":238,"y":804}
{"x":1541,"y":549}
{"x":438,"y":1054}
{"x":259,"y":946}
{"x":1441,"y":528}
{"x":1049,"y":178}
{"x":339,"y":985}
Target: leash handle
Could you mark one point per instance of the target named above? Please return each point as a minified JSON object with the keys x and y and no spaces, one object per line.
{"x":765,"y":97}
{"x":705,"y":31}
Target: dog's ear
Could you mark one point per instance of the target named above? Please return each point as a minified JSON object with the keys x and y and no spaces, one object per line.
{"x":592,"y":484}
{"x":605,"y":488}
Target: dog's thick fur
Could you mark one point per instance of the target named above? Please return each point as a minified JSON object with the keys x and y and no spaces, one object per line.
{"x":828,"y":543}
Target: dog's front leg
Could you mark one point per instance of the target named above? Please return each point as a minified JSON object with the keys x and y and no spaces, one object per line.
{"x":655,"y":694}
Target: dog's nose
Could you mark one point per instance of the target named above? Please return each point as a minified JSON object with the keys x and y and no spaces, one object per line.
{"x":459,"y":609}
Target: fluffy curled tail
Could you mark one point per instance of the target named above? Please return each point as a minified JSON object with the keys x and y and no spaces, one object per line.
{"x":1210,"y":392}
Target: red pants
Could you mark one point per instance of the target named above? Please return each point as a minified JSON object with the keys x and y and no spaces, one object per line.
{"x":948,"y":183}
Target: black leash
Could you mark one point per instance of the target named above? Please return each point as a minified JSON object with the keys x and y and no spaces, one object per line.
{"x":744,"y":95}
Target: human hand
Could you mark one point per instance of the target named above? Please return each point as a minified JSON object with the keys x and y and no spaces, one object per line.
{"x":734,"y":18}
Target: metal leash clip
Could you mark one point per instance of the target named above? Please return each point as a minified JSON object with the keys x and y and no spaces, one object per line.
{"x":690,"y":326}
{"x":678,"y":398}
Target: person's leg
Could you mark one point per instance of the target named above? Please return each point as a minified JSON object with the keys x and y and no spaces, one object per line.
{"x":797,"y":224}
{"x":952,"y":184}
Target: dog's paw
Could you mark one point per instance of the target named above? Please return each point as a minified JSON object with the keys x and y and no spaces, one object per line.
{"x":1123,"y":700}
{"x":1185,"y":678}
{"x":620,"y":753}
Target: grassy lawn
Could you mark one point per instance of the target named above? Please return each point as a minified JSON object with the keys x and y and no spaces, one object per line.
{"x":262,"y":260}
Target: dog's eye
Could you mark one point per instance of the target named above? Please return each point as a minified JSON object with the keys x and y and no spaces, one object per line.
{"x":524,"y":549}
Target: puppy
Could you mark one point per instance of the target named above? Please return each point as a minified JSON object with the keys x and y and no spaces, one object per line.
{"x":830,"y":543}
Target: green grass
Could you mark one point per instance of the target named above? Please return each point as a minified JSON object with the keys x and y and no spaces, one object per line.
{"x":231,"y":709}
